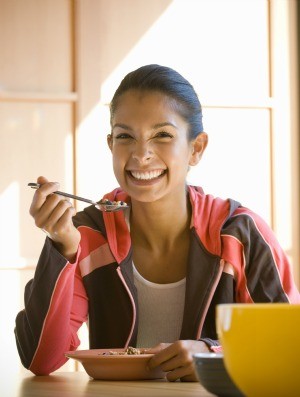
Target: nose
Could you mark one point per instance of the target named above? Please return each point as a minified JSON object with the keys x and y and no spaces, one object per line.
{"x":142,"y":152}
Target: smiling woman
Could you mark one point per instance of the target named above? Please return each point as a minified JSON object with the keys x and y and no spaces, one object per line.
{"x":152,"y":275}
{"x":155,"y":147}
{"x":157,"y":133}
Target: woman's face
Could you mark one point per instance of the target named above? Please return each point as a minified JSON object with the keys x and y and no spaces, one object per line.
{"x":150,"y":146}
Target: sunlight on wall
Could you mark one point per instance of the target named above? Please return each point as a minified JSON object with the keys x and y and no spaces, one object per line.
{"x":234,"y":63}
{"x":283,"y":183}
{"x":96,"y":175}
{"x":224,"y":57}
{"x":237,"y":162}
{"x":10,"y":226}
{"x":10,"y":291}
{"x":68,"y":163}
{"x":282,"y":145}
{"x":228,"y":62}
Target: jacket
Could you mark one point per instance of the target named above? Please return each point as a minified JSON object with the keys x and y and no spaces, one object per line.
{"x":233,"y":257}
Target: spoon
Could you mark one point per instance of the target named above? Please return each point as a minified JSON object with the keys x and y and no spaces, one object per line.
{"x":102,"y":205}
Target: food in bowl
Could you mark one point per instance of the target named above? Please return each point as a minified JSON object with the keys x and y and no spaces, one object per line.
{"x":100,"y":364}
{"x":129,"y":351}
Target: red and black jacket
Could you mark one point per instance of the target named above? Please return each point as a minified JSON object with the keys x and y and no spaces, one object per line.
{"x":234,"y":257}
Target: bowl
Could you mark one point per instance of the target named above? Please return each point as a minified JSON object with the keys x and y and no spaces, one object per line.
{"x":261,"y":347}
{"x":100,"y":364}
{"x":212,"y":375}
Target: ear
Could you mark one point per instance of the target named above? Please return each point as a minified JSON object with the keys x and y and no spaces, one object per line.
{"x":198,"y":146}
{"x":109,"y":141}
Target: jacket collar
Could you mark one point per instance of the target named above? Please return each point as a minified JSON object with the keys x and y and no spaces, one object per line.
{"x":208,"y":216}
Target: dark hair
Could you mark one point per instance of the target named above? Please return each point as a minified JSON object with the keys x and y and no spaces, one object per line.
{"x":169,"y":82}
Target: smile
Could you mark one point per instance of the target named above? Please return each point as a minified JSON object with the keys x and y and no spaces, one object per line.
{"x":146,"y":175}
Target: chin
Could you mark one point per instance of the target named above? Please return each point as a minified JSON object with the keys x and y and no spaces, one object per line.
{"x":144,"y":197}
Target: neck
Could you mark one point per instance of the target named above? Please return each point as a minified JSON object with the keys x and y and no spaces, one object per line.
{"x":161,"y":224}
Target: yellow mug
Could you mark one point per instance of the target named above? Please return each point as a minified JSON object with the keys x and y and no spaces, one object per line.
{"x":261,"y":345}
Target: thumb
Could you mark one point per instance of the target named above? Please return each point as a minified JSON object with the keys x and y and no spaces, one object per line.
{"x":157,"y":348}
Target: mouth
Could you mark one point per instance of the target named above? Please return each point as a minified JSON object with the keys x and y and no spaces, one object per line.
{"x":146,"y":176}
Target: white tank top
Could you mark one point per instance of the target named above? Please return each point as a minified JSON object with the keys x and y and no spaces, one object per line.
{"x":160,"y":310}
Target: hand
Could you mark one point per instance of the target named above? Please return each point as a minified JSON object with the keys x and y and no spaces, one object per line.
{"x":53,"y":214}
{"x":177,"y":359}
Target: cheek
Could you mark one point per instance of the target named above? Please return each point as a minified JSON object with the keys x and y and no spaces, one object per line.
{"x":180,"y":154}
{"x":119,"y":161}
{"x":116,"y":160}
{"x":172,"y":152}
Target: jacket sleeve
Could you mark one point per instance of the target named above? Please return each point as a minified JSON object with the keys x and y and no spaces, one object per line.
{"x":212,"y":344}
{"x":56,"y":305}
{"x":261,"y":267}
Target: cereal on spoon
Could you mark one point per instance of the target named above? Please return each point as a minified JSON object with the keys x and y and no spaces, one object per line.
{"x":109,"y":202}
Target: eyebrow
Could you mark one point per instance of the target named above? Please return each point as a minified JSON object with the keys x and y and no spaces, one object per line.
{"x":123,"y":126}
{"x":155,"y":127}
{"x":165,"y":124}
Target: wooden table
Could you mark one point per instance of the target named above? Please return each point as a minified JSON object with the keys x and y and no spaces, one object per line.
{"x":79,"y":384}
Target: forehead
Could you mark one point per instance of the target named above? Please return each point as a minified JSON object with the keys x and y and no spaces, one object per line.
{"x":145,"y":103}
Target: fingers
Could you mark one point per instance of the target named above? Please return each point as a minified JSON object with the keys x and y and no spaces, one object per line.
{"x":185,"y":374}
{"x":42,"y":180}
{"x":41,"y":195}
{"x":51,"y":212}
{"x":176,"y":359}
{"x":163,"y":353}
{"x":158,"y":348}
{"x":59,"y":219}
{"x":171,"y":357}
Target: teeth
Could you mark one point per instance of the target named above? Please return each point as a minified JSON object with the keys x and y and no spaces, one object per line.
{"x":146,"y":175}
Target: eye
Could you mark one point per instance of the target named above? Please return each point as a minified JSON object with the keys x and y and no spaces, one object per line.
{"x":163,"y":134}
{"x":122,"y":136}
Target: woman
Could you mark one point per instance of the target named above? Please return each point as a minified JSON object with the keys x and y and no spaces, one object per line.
{"x":150,"y":276}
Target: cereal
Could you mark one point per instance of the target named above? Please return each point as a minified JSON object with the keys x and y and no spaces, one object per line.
{"x":109,"y":202}
{"x":129,"y":351}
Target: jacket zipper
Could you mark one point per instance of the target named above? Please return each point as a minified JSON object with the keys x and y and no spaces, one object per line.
{"x":211,"y":294}
{"x":133,"y":306}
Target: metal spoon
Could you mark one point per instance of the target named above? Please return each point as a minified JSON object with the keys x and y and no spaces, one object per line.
{"x":102,"y":206}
